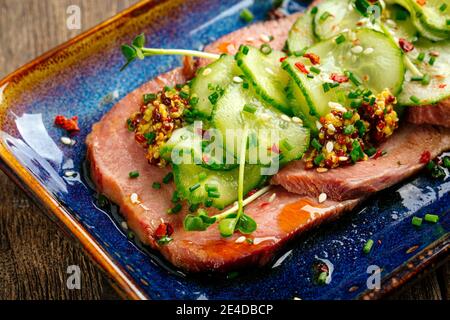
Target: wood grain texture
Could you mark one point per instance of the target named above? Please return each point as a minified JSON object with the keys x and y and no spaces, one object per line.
{"x":34,"y":253}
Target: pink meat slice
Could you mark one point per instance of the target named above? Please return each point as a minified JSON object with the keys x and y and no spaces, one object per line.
{"x":438,"y":114}
{"x":402,"y":160}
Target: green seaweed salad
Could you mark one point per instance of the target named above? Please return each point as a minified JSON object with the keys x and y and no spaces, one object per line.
{"x":245,"y":116}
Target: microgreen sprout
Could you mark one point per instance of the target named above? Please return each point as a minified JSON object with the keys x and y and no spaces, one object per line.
{"x":137,"y":51}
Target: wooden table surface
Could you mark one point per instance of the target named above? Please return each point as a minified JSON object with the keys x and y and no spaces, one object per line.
{"x":34,"y":253}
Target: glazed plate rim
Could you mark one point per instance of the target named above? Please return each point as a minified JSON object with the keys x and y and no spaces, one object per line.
{"x":126,"y":285}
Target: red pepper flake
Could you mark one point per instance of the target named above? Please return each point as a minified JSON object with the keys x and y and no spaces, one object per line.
{"x":264,"y":204}
{"x":163,"y":230}
{"x":283,"y":58}
{"x":70,"y":125}
{"x":425,"y":157}
{"x":338,"y":78}
{"x":252,"y":192}
{"x":378,"y":154}
{"x":301,"y":67}
{"x":314,"y":58}
{"x":442,"y":86}
{"x":405,"y":45}
{"x":421,"y":2}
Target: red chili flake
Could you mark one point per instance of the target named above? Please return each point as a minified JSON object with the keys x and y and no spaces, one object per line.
{"x":67,"y":124}
{"x":163,"y":230}
{"x":338,"y":78}
{"x":252,"y":192}
{"x":421,"y":2}
{"x":275,"y":148}
{"x":378,"y":154}
{"x":262,"y":205}
{"x":314,"y":58}
{"x":405,"y":45}
{"x":283,"y":58}
{"x":442,"y":86}
{"x":301,"y":67}
{"x":322,"y":120}
{"x":425,"y":157}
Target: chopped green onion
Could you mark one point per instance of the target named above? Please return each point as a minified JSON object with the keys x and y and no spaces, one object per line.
{"x":266,"y":49}
{"x":316,"y":144}
{"x":194,"y":101}
{"x":426,"y":80}
{"x":164,"y":240}
{"x":193,"y":207}
{"x":322,"y":279}
{"x":315,"y":70}
{"x":211,"y":187}
{"x":247,"y":15}
{"x":438,"y":172}
{"x":214,"y":97}
{"x":355,"y":104}
{"x":184,"y":95}
{"x":340,"y":39}
{"x":194,"y":187}
{"x":448,"y":22}
{"x":348,"y":115}
{"x":416,"y":221}
{"x":432,"y":61}
{"x":175,"y":209}
{"x":414,"y":99}
{"x":349,"y":129}
{"x":354,"y":94}
{"x":202,"y":176}
{"x":431,"y":218}
{"x":314,"y":10}
{"x":133,"y":174}
{"x":250,"y":108}
{"x":421,"y":56}
{"x":416,"y":78}
{"x":156,"y":185}
{"x":371,"y":151}
{"x":310,"y":76}
{"x":150,"y":136}
{"x":245,"y":50}
{"x":318,"y":160}
{"x":326,"y":87}
{"x":168,"y":178}
{"x":325,"y":16}
{"x":299,"y":53}
{"x":443,"y":7}
{"x":214,"y":194}
{"x":368,"y":246}
{"x":208,"y":203}
{"x":446,"y":162}
{"x":334,"y":84}
{"x":149,"y":97}
{"x":353,"y":78}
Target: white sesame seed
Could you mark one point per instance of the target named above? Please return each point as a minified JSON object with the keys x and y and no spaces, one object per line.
{"x":124,"y":225}
{"x":67,"y":141}
{"x":250,"y":39}
{"x":318,"y":125}
{"x":329,"y":146}
{"x":434,"y":53}
{"x":285,"y":118}
{"x":268,"y":70}
{"x":240,"y":239}
{"x":322,"y":197}
{"x":350,"y":7}
{"x":272,"y":198}
{"x":357,"y":49}
{"x":69,"y":173}
{"x":238,"y":79}
{"x":321,"y":170}
{"x":331,"y":127}
{"x":336,"y":106}
{"x":264,"y":37}
{"x":207,"y":71}
{"x":391,"y":23}
{"x":368,"y":51}
{"x":343,"y":158}
{"x":297,"y":120}
{"x":264,"y":117}
{"x":345,"y":30}
{"x":134,"y":198}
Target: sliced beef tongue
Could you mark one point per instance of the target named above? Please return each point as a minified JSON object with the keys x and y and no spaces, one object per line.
{"x":438,"y":114}
{"x":402,"y":159}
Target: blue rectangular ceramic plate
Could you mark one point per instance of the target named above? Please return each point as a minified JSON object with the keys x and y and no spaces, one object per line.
{"x":82,"y":78}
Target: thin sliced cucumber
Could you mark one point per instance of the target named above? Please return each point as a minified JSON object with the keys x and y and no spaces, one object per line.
{"x":399,"y":23}
{"x":438,"y":89}
{"x":301,"y":35}
{"x":333,"y":16}
{"x":433,"y":15}
{"x":269,"y":128}
{"x":197,"y":184}
{"x":212,"y":80}
{"x":300,"y":107}
{"x":265,"y":73}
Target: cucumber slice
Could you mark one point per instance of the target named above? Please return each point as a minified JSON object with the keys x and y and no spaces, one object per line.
{"x":300,"y":107}
{"x":333,"y":16}
{"x":398,"y":21}
{"x":265,"y":123}
{"x":265,"y":73}
{"x":181,"y":138}
{"x":439,"y":87}
{"x":301,"y":35}
{"x":211,"y":79}
{"x":433,"y":15}
{"x":310,"y":91}
{"x":380,"y":69}
{"x":193,"y":180}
